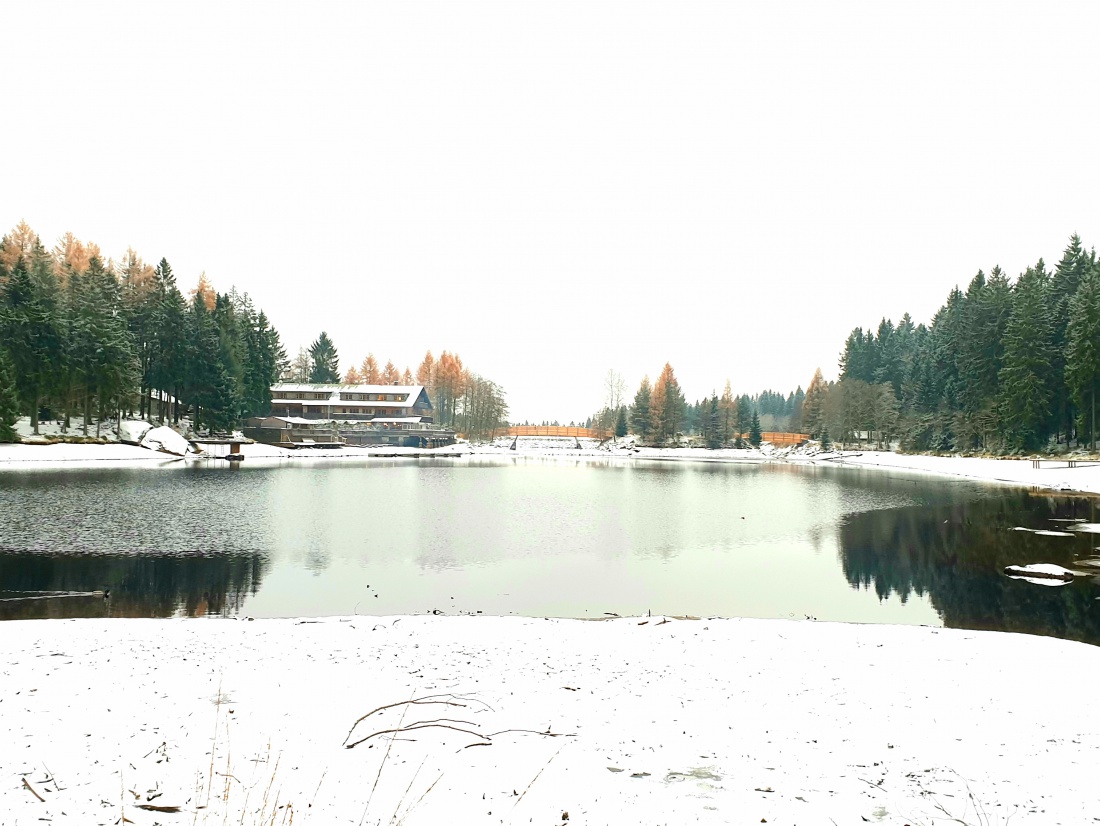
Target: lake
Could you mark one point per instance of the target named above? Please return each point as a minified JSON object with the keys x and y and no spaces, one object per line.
{"x":538,"y":537}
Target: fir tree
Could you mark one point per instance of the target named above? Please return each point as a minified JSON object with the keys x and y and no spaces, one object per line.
{"x":620,"y":423}
{"x":325,"y":363}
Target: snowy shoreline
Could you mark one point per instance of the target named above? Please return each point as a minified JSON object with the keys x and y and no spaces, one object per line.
{"x":1052,"y":474}
{"x":630,"y":720}
{"x":660,"y":721}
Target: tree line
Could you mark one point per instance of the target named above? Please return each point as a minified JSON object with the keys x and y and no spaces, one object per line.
{"x":659,"y":413}
{"x":462,"y":399}
{"x":81,"y":335}
{"x":1003,"y":367}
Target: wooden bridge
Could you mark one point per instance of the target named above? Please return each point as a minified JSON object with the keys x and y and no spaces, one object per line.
{"x":777,"y":439}
{"x":560,"y":432}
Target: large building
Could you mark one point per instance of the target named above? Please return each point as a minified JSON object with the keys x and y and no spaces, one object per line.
{"x":351,"y":402}
{"x":330,"y":415}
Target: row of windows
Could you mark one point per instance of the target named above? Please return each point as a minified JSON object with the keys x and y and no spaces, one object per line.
{"x":373,"y":397}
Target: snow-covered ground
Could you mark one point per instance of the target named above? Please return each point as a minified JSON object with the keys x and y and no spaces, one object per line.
{"x":1052,"y":473}
{"x":640,"y":721}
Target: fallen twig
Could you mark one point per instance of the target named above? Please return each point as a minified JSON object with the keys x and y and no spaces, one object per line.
{"x":413,"y":727}
{"x":536,"y":777}
{"x":431,"y":699}
{"x":30,"y":788}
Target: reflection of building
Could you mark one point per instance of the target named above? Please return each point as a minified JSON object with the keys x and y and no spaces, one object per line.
{"x":326,"y":415}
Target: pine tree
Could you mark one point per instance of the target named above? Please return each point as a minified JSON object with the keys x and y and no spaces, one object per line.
{"x":114,"y":369}
{"x":713,"y":419}
{"x":1083,"y":350}
{"x":666,"y":406}
{"x":30,"y":331}
{"x":639,"y":415}
{"x":169,"y":364}
{"x":1068,"y":274}
{"x":727,"y":408}
{"x":325,"y":363}
{"x":1026,"y":379}
{"x":209,"y":384}
{"x":9,"y":399}
{"x":755,"y":437}
{"x":620,"y":423}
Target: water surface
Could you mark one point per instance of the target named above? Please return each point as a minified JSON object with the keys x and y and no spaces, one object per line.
{"x":538,"y":537}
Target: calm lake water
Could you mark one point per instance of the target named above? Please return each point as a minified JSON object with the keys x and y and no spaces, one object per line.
{"x":539,"y":537}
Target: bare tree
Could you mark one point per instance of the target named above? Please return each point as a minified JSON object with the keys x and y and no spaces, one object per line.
{"x":614,"y":394}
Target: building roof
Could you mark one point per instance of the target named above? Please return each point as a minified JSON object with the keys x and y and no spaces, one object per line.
{"x":334,"y":390}
{"x":397,"y":420}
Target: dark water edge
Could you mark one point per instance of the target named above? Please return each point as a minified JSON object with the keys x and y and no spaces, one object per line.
{"x":956,"y":555}
{"x":540,"y":538}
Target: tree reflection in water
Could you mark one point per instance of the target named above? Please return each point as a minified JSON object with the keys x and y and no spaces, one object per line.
{"x":956,"y":555}
{"x":139,"y":586}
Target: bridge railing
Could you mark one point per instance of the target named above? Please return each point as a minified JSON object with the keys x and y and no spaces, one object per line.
{"x":567,"y":432}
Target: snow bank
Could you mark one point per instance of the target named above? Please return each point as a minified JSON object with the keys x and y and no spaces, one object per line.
{"x":640,"y":720}
{"x":166,"y":440}
{"x":24,"y":456}
{"x":132,"y":431}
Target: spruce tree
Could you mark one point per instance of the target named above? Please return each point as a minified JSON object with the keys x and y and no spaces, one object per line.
{"x":620,"y":423}
{"x":325,"y":363}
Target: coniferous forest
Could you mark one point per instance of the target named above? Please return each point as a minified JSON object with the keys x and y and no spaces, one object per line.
{"x":1004,"y":367}
{"x":88,"y":337}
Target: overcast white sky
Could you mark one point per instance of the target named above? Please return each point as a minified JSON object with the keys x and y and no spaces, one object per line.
{"x":555,"y":189}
